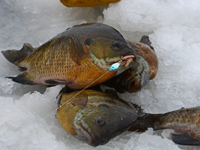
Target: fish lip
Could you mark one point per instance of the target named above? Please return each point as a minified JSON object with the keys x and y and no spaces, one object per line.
{"x":88,"y":137}
{"x":85,"y":136}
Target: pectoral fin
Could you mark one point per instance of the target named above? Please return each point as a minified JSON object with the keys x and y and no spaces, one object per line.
{"x":184,"y":139}
{"x":55,"y":82}
{"x":76,"y":50}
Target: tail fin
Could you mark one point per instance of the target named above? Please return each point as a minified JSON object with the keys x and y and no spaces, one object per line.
{"x":14,"y":56}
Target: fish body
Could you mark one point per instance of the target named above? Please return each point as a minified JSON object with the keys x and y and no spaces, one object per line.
{"x":186,"y":121}
{"x":138,"y":75}
{"x":95,"y":117}
{"x":75,"y":57}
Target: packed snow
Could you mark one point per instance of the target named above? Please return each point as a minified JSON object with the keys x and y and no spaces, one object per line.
{"x":28,"y":112}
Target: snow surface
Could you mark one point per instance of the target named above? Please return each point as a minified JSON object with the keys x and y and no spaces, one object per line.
{"x":28,"y":112}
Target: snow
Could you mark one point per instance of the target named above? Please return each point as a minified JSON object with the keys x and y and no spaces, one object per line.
{"x":28,"y":112}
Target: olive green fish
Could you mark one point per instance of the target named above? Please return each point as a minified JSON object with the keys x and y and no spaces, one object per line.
{"x":95,"y":117}
{"x":76,"y":57}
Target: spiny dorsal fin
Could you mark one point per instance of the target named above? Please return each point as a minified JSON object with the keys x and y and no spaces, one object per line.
{"x":14,"y":56}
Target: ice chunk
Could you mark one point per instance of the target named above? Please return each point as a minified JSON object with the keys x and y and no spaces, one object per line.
{"x":143,"y":142}
{"x":149,"y":15}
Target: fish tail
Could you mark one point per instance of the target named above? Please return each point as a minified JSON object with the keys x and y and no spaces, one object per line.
{"x":21,"y":78}
{"x":14,"y":56}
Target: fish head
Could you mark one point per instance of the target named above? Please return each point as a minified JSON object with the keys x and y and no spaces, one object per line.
{"x":106,"y":51}
{"x":96,"y":125}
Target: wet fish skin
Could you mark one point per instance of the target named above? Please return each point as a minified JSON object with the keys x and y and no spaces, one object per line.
{"x":75,"y":57}
{"x":95,"y":117}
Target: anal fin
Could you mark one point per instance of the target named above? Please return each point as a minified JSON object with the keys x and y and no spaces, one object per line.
{"x":184,"y":139}
{"x":22,"y":79}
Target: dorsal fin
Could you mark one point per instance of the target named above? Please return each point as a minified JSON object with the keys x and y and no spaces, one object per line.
{"x":145,"y":40}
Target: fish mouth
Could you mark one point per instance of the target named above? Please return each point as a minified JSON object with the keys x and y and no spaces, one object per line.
{"x":124,"y":63}
{"x":84,"y":135}
{"x":128,"y":59}
{"x":87,"y":135}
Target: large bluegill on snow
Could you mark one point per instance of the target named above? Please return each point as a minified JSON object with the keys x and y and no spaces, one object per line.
{"x":75,"y":57}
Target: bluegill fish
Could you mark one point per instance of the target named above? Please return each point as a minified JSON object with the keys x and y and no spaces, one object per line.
{"x":186,"y":121}
{"x":138,"y":75}
{"x":95,"y":117}
{"x":75,"y":57}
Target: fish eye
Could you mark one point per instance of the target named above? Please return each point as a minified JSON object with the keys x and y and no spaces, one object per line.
{"x":100,"y":122}
{"x":88,"y":41}
{"x":116,"y":45}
